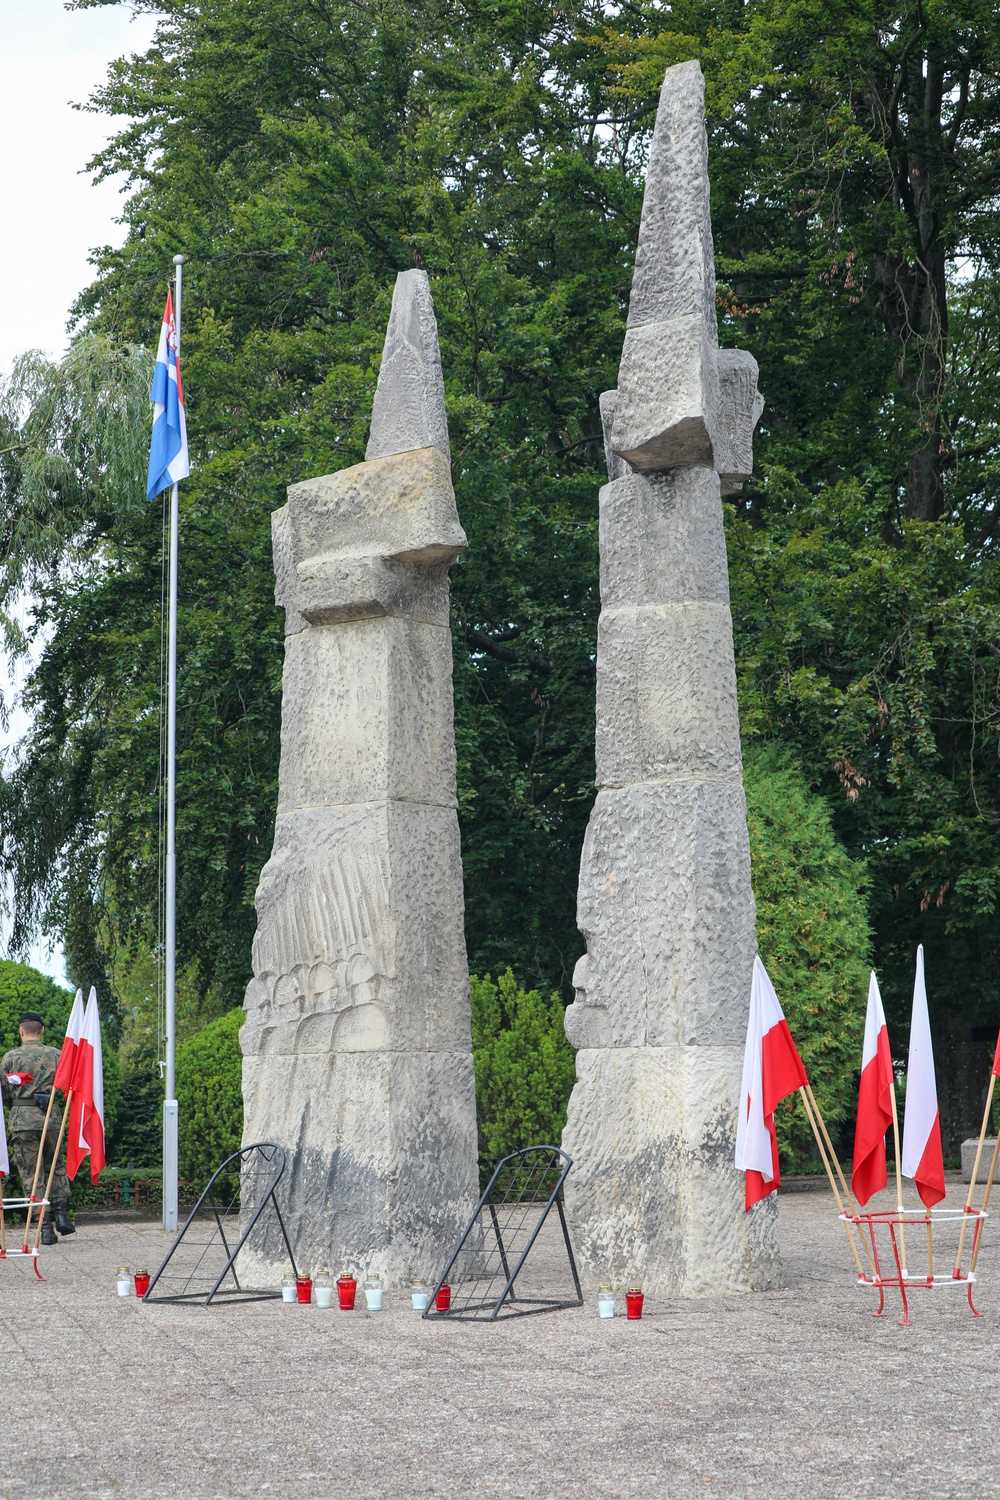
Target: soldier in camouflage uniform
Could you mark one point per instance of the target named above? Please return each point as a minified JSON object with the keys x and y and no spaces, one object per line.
{"x":28,"y":1102}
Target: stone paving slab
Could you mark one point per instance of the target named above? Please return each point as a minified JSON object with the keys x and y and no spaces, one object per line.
{"x":797,"y":1393}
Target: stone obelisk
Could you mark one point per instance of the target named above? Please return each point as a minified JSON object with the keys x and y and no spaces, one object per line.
{"x":357,"y":1043}
{"x":665,"y":902}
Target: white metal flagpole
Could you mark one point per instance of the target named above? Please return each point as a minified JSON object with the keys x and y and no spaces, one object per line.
{"x":170,"y":872}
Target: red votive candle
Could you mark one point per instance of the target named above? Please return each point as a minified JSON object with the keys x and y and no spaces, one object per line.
{"x":633,"y":1303}
{"x":347,"y":1290}
{"x":443,"y":1299}
{"x":304,"y":1289}
{"x":141,"y":1283}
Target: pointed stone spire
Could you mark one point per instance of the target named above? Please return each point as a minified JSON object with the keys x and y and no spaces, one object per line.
{"x":409,"y":399}
{"x":681,"y":403}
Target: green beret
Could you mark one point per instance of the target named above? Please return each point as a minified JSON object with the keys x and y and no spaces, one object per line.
{"x":31,"y":1015}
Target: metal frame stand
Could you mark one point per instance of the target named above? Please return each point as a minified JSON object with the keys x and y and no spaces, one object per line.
{"x":31,"y":1253}
{"x":907,"y":1282}
{"x":264,"y":1157}
{"x":517,"y":1200}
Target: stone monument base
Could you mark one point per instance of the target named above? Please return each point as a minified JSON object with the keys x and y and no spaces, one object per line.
{"x":382,"y":1195}
{"x":654,"y":1196}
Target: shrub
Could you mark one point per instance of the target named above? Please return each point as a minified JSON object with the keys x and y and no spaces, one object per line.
{"x":138,"y":1135}
{"x":210,"y":1097}
{"x":524,"y":1064}
{"x":813,"y":935}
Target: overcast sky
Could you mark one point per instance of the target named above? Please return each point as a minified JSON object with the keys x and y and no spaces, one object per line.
{"x":51,"y":58}
{"x":53,"y":215}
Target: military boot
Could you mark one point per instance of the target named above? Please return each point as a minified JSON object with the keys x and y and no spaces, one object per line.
{"x":48,"y":1233}
{"x":64,"y":1223}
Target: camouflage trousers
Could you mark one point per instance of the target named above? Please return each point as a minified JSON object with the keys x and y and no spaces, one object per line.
{"x":24,"y":1154}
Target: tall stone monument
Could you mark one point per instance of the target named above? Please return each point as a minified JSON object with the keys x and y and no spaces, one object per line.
{"x":357,"y":1049}
{"x":665,"y":902}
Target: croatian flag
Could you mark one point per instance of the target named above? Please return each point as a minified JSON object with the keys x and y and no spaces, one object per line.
{"x":86,"y":1112}
{"x":168,"y":451}
{"x":772,"y":1069}
{"x":874,"y":1102}
{"x":921,"y":1157}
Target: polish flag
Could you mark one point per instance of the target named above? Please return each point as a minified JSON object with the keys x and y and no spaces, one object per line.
{"x":772,"y":1069}
{"x":86,"y":1113}
{"x":922,"y":1158}
{"x":874,"y":1102}
{"x":4,"y":1158}
{"x":67,"y":1056}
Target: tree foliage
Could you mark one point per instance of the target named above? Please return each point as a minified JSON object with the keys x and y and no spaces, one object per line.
{"x":209,"y":1098}
{"x":813,"y":936}
{"x":524,"y":1065}
{"x":301,"y":155}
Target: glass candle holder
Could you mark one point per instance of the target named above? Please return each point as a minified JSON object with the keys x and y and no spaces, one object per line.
{"x":443,"y":1299}
{"x":124,"y":1282}
{"x":141,"y":1283}
{"x":373,"y":1294}
{"x":633,"y":1302}
{"x":420,"y":1293}
{"x":347,"y":1290}
{"x":323,"y":1289}
{"x":288,"y":1286}
{"x":605,"y":1302}
{"x":303,"y":1290}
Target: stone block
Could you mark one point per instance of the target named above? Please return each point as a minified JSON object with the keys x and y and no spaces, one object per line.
{"x":666,"y":693}
{"x":662,"y":539}
{"x":367,"y":714}
{"x":666,"y":908}
{"x":400,"y":507}
{"x":381,"y":1150}
{"x":969,"y":1149}
{"x":409,"y":410}
{"x":654,"y":1197}
{"x":666,"y":411}
{"x":739,"y":407}
{"x":360,"y":941}
{"x":617,"y":467}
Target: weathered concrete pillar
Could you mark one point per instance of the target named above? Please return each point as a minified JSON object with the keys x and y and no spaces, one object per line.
{"x":357,"y":1043}
{"x":665,"y":902}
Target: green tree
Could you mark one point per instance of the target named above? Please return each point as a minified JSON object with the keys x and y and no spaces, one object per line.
{"x":525,"y":1067}
{"x":813,"y":936}
{"x":210,"y":1098}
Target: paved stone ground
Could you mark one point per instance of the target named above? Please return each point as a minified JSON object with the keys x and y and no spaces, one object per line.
{"x":799,"y":1393}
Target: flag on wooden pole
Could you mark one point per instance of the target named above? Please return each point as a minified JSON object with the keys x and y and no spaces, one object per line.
{"x":67,"y":1055}
{"x":86,"y":1114}
{"x":923,"y":1159}
{"x":772,"y":1069}
{"x":869,"y":1174}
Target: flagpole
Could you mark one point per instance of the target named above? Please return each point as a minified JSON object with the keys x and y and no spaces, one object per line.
{"x":170,"y":872}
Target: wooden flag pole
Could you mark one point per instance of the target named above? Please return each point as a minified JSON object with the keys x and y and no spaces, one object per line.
{"x":975,"y":1173}
{"x":52,"y":1167}
{"x":833,"y":1183}
{"x":852,"y":1207}
{"x":38,"y":1166}
{"x":899,"y":1169}
{"x":3,"y":1224}
{"x":977,"y":1236}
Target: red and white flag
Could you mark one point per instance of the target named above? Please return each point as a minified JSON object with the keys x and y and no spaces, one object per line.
{"x":922,"y":1158}
{"x":85,"y":1134}
{"x":4,"y":1158}
{"x":772,"y":1069}
{"x":874,"y":1102}
{"x":67,"y":1056}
